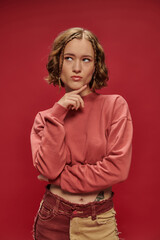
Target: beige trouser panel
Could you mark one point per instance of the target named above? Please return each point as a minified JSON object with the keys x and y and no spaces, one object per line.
{"x":103,"y":228}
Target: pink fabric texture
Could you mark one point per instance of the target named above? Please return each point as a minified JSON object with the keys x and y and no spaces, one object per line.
{"x":85,"y":150}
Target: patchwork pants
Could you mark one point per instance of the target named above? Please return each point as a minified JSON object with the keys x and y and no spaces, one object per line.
{"x":58,"y":219}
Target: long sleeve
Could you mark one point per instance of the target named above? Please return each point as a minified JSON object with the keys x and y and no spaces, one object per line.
{"x":49,"y":151}
{"x":113,"y":167}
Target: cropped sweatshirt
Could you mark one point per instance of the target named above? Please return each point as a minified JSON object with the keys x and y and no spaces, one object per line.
{"x":84,"y":150}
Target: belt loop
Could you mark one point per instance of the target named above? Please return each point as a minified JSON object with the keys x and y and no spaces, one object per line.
{"x":93,"y":212}
{"x":57,"y":205}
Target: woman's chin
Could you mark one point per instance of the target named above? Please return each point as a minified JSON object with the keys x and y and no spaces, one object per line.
{"x":73,"y":87}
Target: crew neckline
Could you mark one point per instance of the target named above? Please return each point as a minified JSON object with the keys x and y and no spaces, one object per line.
{"x":89,"y":96}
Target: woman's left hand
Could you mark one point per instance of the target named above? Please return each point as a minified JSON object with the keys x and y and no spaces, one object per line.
{"x":42,"y":178}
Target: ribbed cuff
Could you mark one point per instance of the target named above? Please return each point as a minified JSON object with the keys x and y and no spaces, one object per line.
{"x":56,"y":181}
{"x":58,"y":111}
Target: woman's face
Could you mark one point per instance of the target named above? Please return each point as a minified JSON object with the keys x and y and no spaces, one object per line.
{"x":78,"y":65}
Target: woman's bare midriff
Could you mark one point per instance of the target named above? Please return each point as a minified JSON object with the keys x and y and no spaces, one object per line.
{"x":81,"y":198}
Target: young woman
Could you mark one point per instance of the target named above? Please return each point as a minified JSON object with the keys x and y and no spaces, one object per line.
{"x":81,"y":145}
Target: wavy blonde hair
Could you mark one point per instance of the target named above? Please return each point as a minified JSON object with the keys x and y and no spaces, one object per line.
{"x":100,"y":76}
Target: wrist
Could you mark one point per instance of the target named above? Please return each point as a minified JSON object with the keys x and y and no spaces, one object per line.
{"x":62,"y":104}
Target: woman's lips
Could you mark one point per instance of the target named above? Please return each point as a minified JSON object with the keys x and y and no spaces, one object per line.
{"x":76,"y":78}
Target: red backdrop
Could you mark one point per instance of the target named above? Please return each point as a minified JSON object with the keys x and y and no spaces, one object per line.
{"x":129,"y":33}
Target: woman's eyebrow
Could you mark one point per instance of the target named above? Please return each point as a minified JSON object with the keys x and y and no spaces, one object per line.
{"x":71,"y":54}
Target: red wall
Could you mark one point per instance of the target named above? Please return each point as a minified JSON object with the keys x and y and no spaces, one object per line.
{"x":129,"y":32}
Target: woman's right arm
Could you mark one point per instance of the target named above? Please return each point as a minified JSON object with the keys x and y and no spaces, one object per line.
{"x":49,"y":151}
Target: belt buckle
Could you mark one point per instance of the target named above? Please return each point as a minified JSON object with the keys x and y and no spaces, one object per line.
{"x":75,"y":212}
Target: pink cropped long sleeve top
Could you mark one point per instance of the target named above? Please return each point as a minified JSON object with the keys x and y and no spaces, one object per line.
{"x":84,"y":150}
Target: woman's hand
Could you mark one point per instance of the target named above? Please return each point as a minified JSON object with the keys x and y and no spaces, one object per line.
{"x":42,"y":178}
{"x":72,"y":99}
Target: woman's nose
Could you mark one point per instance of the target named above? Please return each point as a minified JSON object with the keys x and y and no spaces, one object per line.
{"x":77,"y":66}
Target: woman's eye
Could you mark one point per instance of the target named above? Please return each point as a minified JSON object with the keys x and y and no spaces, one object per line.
{"x":68,"y":58}
{"x":86,"y":60}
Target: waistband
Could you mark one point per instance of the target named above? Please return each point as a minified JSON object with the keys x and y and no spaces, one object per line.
{"x":64,"y":207}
